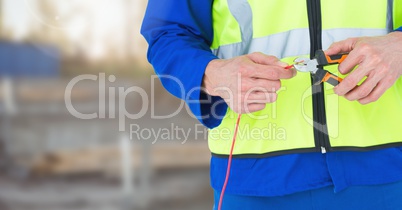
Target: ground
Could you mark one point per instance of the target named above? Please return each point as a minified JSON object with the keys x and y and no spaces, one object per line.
{"x":187,"y":189}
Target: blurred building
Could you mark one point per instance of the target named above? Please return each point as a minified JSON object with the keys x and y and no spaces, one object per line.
{"x":28,"y":60}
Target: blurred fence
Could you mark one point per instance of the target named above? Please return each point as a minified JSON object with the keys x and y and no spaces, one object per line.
{"x":40,"y":137}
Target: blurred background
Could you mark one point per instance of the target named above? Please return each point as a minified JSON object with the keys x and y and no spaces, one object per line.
{"x":52,"y":160}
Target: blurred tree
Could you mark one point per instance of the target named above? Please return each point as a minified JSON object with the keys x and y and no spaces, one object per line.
{"x":90,"y":31}
{"x":42,"y":29}
{"x":1,"y":19}
{"x":130,"y":21}
{"x":51,"y":27}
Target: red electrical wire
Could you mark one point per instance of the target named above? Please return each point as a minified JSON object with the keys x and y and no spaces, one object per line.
{"x":229,"y":163}
{"x":289,"y":67}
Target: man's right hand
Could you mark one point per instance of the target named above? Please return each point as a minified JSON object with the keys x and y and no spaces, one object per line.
{"x":247,"y":82}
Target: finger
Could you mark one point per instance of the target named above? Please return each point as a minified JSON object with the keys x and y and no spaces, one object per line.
{"x":364,"y":89}
{"x":271,"y":72}
{"x":260,"y":97}
{"x":262,"y":85}
{"x":351,"y":81}
{"x":351,"y":61}
{"x":378,"y":91}
{"x":253,"y":107}
{"x":343,"y":46}
{"x":264,"y":59}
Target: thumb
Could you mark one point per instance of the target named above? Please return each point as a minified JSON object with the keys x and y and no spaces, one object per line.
{"x":344,"y":46}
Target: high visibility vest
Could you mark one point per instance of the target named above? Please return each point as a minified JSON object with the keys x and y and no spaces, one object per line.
{"x":281,"y":28}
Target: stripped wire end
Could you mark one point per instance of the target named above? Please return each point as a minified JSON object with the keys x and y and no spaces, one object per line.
{"x":289,"y":67}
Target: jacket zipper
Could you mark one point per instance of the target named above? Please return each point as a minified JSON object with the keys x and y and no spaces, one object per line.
{"x":321,"y":138}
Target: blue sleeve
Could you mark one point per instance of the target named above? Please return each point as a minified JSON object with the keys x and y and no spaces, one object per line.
{"x":179,"y":34}
{"x":399,"y":29}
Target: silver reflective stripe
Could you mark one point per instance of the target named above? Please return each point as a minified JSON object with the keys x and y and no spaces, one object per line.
{"x":286,"y":44}
{"x":334,"y":35}
{"x":292,"y":43}
{"x":241,"y":11}
{"x":390,"y":20}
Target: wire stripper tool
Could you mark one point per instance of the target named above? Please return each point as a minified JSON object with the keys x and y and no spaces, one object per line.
{"x":316,"y":67}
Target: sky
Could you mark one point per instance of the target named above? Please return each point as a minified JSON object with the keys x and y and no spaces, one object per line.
{"x":15,"y":17}
{"x":101,"y":20}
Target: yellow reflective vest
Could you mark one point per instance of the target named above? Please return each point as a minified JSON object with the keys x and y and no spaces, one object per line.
{"x":300,"y":121}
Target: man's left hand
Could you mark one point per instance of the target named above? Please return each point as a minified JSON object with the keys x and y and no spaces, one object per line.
{"x":377,"y":58}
